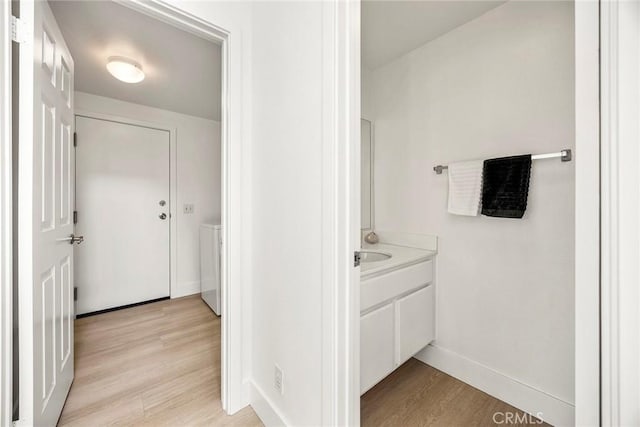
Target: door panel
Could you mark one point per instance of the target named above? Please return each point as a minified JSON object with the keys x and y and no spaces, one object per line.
{"x":45,"y":202}
{"x":122,"y":176}
{"x":48,"y":165}
{"x":66,"y":317}
{"x":48,"y":333}
{"x":65,"y":178}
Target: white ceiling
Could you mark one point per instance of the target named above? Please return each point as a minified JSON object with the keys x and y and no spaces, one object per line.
{"x":183,"y":71}
{"x":392,"y":28}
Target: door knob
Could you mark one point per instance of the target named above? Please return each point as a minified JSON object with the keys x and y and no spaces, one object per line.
{"x":73,"y":239}
{"x":162,"y":216}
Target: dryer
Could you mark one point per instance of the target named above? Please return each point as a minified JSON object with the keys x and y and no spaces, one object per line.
{"x":210,"y":265}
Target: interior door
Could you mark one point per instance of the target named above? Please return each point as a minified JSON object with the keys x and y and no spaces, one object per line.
{"x":122,"y":200}
{"x":45,"y":218}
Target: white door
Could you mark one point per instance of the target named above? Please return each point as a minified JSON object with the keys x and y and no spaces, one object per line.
{"x":122,"y":200}
{"x":45,"y":218}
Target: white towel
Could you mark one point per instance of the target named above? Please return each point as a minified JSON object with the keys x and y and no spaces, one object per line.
{"x":465,"y":187}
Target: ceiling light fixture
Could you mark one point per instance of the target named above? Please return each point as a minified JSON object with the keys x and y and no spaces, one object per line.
{"x":125,"y":69}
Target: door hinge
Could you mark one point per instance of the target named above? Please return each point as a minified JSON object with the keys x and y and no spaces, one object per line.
{"x":19,"y":32}
{"x":75,"y":217}
{"x":356,"y":259}
{"x":75,"y":293}
{"x":75,"y":139}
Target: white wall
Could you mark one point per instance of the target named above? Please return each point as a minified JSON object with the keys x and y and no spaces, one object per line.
{"x":278,"y":243}
{"x":496,"y":86}
{"x":287,"y":137}
{"x":198,"y":175}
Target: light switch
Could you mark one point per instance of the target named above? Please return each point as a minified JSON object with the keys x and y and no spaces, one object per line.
{"x":188,"y":208}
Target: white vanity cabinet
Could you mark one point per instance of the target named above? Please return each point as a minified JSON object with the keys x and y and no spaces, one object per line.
{"x":397,"y":319}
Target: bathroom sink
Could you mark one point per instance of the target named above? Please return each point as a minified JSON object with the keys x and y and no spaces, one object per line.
{"x":371,"y":256}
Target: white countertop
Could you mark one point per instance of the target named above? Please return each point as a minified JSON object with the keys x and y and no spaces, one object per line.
{"x":401,"y":256}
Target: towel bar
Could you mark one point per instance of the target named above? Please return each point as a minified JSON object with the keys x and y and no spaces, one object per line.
{"x":564,"y":155}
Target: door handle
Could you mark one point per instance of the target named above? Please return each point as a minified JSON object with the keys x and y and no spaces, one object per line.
{"x":72,"y":239}
{"x":162,"y":216}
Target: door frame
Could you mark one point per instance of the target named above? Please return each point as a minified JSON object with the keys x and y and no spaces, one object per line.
{"x":6,"y":227}
{"x":587,"y":214}
{"x":341,"y":213}
{"x":173,"y":182}
{"x":620,"y":217}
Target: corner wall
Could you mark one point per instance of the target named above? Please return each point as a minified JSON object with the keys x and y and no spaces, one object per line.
{"x":500,"y":85}
{"x":199,"y":175}
{"x":287,"y":325}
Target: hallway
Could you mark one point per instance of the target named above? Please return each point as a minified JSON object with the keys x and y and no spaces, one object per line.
{"x":155,"y":364}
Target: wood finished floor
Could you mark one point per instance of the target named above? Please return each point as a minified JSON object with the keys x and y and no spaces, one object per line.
{"x":159,"y":365}
{"x":419,"y":395}
{"x":152,"y":365}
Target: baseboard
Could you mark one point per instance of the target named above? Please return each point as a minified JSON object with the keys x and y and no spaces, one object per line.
{"x":238,"y":403}
{"x":265,"y":409}
{"x":185,"y":289}
{"x":531,"y":400}
{"x":120,"y":307}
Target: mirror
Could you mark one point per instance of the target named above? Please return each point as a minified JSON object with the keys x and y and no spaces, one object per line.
{"x":366,"y":174}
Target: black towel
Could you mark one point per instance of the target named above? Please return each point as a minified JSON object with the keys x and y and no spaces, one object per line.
{"x":505,"y":186}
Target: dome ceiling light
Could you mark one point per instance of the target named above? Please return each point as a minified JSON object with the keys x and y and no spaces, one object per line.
{"x":125,"y":69}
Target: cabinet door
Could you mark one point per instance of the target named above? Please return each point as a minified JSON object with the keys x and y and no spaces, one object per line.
{"x":415,"y":315}
{"x":377,"y":346}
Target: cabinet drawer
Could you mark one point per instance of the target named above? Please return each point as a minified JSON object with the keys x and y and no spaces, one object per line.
{"x":381,"y":288}
{"x":377,"y":349}
{"x":415,"y":322}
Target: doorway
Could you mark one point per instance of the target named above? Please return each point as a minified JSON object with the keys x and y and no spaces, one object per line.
{"x":438,"y":105}
{"x":61,"y":74}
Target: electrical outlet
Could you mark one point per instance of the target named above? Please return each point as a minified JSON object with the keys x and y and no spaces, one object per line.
{"x":188,"y":208}
{"x":278,"y":380}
